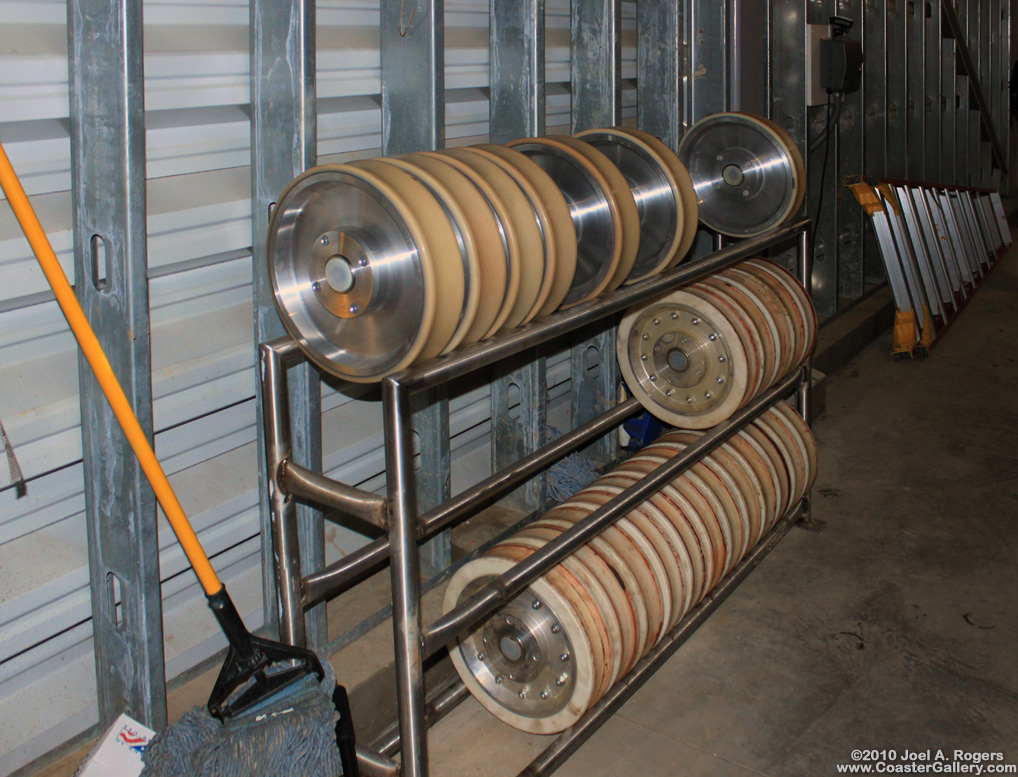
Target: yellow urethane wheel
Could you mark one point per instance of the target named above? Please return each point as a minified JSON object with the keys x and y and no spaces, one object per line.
{"x":656,"y":192}
{"x":593,"y":209}
{"x":528,"y":233}
{"x":690,"y":206}
{"x":557,"y":223}
{"x":480,"y":235}
{"x":620,"y":190}
{"x":464,"y":250}
{"x":747,"y":176}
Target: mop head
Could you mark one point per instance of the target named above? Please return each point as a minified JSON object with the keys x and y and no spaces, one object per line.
{"x":293,"y":735}
{"x":571,"y":474}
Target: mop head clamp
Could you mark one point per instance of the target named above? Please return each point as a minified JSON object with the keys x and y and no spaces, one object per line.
{"x":256,"y":670}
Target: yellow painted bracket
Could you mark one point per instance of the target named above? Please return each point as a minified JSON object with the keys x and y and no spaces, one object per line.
{"x":929,"y":332}
{"x":904,"y":333}
{"x":867,"y":197}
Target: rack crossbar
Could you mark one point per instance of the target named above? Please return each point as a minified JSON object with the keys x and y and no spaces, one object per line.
{"x":504,"y":588}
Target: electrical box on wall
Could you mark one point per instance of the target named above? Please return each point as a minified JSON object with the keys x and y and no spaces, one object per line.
{"x":816,"y":94}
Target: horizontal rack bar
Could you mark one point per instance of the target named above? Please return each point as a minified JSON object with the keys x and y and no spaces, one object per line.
{"x":502,"y":589}
{"x":329,"y":581}
{"x":302,"y":482}
{"x":483,"y":354}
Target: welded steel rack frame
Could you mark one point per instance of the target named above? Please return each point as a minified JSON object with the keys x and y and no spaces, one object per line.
{"x":397,"y":513}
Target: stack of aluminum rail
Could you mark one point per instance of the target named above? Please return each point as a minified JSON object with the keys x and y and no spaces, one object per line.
{"x":938,"y":243}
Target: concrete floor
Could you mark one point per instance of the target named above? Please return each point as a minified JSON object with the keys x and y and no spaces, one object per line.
{"x":894,"y":627}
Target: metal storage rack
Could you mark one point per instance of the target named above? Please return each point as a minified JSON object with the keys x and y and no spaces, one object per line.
{"x":407,"y":527}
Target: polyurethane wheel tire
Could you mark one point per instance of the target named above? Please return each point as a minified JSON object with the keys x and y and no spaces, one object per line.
{"x":690,"y":206}
{"x":559,"y":225}
{"x":531,"y":242}
{"x":628,"y":212}
{"x":481,"y":236}
{"x":611,"y":610}
{"x":621,"y":567}
{"x":466,"y":252}
{"x":706,"y":506}
{"x":509,"y":250}
{"x":679,"y":512}
{"x":753,"y":306}
{"x":592,"y":207}
{"x":777,"y":311}
{"x":660,"y":203}
{"x":806,"y":435}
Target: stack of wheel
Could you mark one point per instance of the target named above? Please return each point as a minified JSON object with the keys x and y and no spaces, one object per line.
{"x":543,"y":660}
{"x":695,"y":356}
{"x":382,"y":263}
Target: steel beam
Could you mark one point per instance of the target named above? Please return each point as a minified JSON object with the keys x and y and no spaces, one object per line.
{"x":897,"y":90}
{"x":662,"y":67}
{"x":710,"y":44}
{"x":874,"y":86}
{"x":596,"y":57}
{"x":516,"y":54}
{"x":851,"y":218}
{"x":107,"y":109}
{"x":934,"y":167}
{"x":788,"y":68}
{"x":519,"y":394}
{"x":284,"y":145}
{"x":915,"y":68}
{"x":596,"y":61}
{"x":949,"y":109}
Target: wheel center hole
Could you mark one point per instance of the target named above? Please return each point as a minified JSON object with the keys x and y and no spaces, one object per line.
{"x":339,"y":274}
{"x":733,"y":175}
{"x":511,"y":648}
{"x":678,"y":360}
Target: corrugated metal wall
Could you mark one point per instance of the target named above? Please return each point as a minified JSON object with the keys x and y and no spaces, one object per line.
{"x":198,"y":138}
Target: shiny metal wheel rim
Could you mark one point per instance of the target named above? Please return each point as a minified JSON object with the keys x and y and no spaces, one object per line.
{"x":590,"y":212}
{"x":655,"y":198}
{"x":743,"y":172}
{"x":359,"y":323}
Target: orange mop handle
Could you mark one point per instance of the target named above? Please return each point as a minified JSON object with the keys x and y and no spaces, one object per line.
{"x":104,"y":374}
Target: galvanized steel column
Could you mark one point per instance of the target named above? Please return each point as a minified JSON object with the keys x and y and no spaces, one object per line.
{"x":788,"y":68}
{"x":851,"y":218}
{"x":662,"y":66}
{"x":934,"y":167}
{"x":412,"y":37}
{"x":284,"y":145}
{"x":915,"y":65}
{"x":1005,"y":121}
{"x":107,"y":110}
{"x":822,"y":205}
{"x":596,"y":54}
{"x":413,"y":119}
{"x":710,"y":43}
{"x":897,"y":90}
{"x":519,"y":392}
{"x":874,"y":85}
{"x":516,"y":61}
{"x":949,"y":110}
